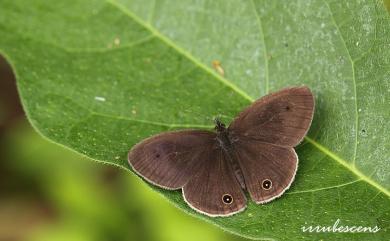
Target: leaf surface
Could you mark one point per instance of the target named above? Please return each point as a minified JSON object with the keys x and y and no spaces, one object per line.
{"x":100,"y":76}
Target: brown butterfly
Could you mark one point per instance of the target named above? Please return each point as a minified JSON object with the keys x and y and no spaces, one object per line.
{"x":255,"y":153}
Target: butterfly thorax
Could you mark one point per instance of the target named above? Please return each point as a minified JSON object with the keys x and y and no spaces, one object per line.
{"x":226,"y":145}
{"x":222,"y":135}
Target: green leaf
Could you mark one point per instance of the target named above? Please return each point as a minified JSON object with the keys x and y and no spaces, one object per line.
{"x":100,"y":76}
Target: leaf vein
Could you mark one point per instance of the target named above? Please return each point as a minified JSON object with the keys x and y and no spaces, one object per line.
{"x":353,"y":79}
{"x":266,"y":69}
{"x":347,"y":165}
{"x":325,"y":188}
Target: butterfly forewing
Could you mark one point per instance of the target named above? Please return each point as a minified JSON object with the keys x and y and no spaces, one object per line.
{"x":170,"y":159}
{"x":214,"y":190}
{"x":281,"y":118}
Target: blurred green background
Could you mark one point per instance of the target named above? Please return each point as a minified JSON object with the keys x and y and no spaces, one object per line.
{"x":50,"y":193}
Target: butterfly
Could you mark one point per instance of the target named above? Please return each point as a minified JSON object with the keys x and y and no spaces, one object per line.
{"x":214,"y":169}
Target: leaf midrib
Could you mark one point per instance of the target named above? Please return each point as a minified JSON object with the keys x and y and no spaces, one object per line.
{"x":170,"y":43}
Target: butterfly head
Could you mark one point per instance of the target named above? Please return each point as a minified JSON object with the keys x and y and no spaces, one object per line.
{"x":219,"y":126}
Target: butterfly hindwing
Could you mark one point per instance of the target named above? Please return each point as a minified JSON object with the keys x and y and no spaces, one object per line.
{"x":268,"y":169}
{"x":214,"y":190}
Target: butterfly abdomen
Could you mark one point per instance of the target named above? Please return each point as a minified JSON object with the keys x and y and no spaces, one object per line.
{"x":236,"y":168}
{"x":227,"y":148}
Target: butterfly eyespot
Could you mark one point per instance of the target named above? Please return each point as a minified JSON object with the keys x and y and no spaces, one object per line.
{"x":227,"y":198}
{"x":267,"y":184}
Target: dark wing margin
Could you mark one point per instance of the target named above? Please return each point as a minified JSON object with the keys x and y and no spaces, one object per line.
{"x":262,"y":161}
{"x":206,"y":190}
{"x":170,"y":159}
{"x":281,"y":118}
